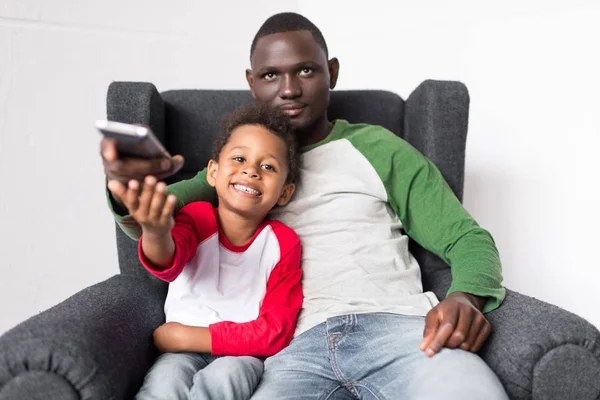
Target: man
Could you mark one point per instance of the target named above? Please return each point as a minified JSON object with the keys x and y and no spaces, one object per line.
{"x":367,"y":329}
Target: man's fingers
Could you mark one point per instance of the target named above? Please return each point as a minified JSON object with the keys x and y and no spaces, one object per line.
{"x":125,"y":169}
{"x":441,"y":337}
{"x":431,"y":326}
{"x":476,"y":326}
{"x":485,"y":331}
{"x":108,"y":150}
{"x":447,"y":320}
{"x":461,"y":331}
{"x":174,"y":165}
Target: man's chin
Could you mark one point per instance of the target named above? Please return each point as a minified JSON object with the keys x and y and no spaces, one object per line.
{"x":299,"y":125}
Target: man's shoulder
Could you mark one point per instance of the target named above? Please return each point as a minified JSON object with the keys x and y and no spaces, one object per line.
{"x":369,"y":138}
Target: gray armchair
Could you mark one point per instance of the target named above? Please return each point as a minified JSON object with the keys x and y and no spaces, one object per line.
{"x":97,"y":344}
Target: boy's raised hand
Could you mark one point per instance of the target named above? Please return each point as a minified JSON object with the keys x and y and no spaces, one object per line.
{"x":151,"y":208}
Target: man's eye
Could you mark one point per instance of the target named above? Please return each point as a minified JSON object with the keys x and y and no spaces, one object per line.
{"x":238,"y":159}
{"x":306,"y":71}
{"x":270,"y":76}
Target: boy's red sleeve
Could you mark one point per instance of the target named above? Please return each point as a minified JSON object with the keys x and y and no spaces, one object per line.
{"x":274,"y":328}
{"x":193,"y":224}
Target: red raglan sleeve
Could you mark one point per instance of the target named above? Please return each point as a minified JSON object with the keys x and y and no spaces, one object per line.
{"x":274,"y":328}
{"x":193,"y":224}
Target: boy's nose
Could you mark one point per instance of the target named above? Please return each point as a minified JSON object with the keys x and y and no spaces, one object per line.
{"x":251,"y":171}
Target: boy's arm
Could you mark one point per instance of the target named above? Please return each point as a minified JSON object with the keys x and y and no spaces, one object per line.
{"x":274,"y":328}
{"x":191,"y":224}
{"x":186,"y":191}
{"x":263,"y":337}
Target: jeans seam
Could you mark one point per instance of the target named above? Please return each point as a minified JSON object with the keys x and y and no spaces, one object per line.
{"x":371,"y":390}
{"x":344,"y":382}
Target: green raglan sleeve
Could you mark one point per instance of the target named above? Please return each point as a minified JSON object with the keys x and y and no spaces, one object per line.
{"x":187,"y":191}
{"x":432,"y":215}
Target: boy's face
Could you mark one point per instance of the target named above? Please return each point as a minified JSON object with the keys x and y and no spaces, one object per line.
{"x":250,"y":175}
{"x":290,"y":71}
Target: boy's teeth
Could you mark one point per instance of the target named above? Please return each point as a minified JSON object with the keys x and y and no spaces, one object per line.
{"x":247,"y":189}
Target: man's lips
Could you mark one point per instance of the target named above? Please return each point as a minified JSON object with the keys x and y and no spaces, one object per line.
{"x":292,"y":109}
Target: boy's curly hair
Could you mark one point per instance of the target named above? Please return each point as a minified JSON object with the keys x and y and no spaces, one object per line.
{"x":274,"y":120}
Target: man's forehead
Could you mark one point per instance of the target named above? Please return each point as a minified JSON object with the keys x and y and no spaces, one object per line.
{"x":284,"y":47}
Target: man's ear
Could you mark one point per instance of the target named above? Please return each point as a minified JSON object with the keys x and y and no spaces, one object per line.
{"x":286,"y":194}
{"x":334,"y":70}
{"x":250,"y":80}
{"x":211,"y":173}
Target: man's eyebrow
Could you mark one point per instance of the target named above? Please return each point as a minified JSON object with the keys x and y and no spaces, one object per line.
{"x":312,"y":64}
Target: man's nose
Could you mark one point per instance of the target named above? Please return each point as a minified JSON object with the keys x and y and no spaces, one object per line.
{"x":290,"y":87}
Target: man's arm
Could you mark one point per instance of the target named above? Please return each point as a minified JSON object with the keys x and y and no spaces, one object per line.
{"x":432,"y":215}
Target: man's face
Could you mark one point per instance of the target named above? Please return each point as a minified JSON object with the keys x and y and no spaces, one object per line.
{"x":290,"y":71}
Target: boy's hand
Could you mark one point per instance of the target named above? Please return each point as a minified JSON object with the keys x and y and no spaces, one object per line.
{"x":152,"y":209}
{"x":173,"y":337}
{"x":455,"y":322}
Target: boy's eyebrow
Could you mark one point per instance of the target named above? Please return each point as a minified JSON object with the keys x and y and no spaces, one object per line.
{"x":246,"y":148}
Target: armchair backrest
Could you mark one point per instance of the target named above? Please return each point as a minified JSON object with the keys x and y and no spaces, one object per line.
{"x":433,"y":119}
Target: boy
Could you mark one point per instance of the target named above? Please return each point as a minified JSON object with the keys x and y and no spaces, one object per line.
{"x":235,"y":278}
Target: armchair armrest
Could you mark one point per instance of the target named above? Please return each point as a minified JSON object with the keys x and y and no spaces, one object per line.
{"x":541,"y":351}
{"x":97,"y":344}
{"x":436,"y":118}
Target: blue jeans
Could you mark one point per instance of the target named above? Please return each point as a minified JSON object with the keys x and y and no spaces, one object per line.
{"x":201,"y":377}
{"x":373,"y":356}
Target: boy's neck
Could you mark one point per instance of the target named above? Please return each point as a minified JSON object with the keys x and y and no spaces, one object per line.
{"x":238,"y":229}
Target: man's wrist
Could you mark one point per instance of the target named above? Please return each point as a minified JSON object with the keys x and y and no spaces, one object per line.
{"x":477,"y":301}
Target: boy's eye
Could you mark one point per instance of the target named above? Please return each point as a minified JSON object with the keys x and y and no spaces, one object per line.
{"x":238,"y":159}
{"x":268,"y":167}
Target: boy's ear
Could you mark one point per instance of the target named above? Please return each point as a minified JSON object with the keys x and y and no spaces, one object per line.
{"x":250,"y":80}
{"x":211,"y":173}
{"x":286,"y":194}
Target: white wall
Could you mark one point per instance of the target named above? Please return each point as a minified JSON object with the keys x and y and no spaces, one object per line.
{"x":531,"y":68}
{"x":533,"y":72}
{"x":56,"y":61}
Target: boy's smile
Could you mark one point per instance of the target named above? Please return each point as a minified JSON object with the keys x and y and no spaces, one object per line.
{"x":251,"y":173}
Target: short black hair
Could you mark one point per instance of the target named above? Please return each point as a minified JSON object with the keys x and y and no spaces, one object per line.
{"x":274,"y":120}
{"x":289,"y":22}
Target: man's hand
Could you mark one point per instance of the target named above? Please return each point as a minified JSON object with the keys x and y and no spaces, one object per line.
{"x":152,"y":209}
{"x":126,"y":169}
{"x":456,"y":322}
